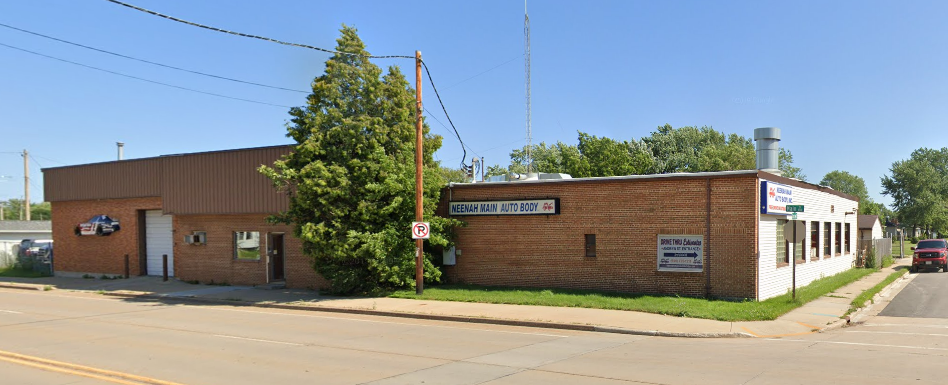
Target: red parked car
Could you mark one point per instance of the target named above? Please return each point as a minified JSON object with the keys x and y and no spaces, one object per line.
{"x":930,"y":253}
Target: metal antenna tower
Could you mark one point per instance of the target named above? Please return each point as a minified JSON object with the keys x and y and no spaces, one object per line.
{"x":526,"y":52}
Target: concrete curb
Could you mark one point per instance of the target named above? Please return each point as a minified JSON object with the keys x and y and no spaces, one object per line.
{"x":436,"y":317}
{"x":23,"y":286}
{"x":860,"y":312}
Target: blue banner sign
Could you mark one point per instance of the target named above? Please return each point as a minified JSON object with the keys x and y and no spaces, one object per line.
{"x":774,"y":198}
{"x":681,"y":253}
{"x":517,"y":207}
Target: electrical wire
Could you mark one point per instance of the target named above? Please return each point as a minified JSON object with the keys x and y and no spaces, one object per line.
{"x":479,"y":74}
{"x":36,"y":161}
{"x":430,"y":80}
{"x":142,"y":79}
{"x":446,"y":127}
{"x":51,"y":160}
{"x":150,"y":62}
{"x":463,"y":165}
{"x":255,"y":36}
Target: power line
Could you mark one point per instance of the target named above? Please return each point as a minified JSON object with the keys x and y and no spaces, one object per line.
{"x":149,"y":62}
{"x":479,"y":74}
{"x":51,"y":160}
{"x":255,"y":36}
{"x":430,"y":80}
{"x":37,"y":162}
{"x":142,"y":79}
{"x":446,"y":127}
{"x":308,"y":47}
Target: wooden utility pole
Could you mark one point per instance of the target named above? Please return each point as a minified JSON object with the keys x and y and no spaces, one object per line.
{"x":419,"y":208}
{"x":26,"y":184}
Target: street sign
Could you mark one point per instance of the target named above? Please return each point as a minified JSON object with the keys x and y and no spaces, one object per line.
{"x":794,"y":208}
{"x":794,"y":216}
{"x":420,"y":230}
{"x":794,"y":236}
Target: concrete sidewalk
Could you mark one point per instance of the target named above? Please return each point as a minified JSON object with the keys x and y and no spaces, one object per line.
{"x":822,"y":314}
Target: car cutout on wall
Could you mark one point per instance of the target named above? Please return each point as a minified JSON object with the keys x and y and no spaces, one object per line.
{"x":98,"y":225}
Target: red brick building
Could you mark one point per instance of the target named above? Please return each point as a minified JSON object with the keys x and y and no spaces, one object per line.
{"x":697,"y":234}
{"x":719,"y":234}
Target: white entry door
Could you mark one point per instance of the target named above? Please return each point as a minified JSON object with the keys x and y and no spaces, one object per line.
{"x":159,"y":240}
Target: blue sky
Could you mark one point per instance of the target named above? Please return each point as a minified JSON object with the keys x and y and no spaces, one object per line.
{"x":854,"y":86}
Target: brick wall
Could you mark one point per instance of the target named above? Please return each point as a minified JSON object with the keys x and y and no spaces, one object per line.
{"x":627,"y":216}
{"x":98,"y":254}
{"x":214,"y":261}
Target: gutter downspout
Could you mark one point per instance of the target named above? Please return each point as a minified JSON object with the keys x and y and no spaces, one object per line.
{"x":707,"y":244}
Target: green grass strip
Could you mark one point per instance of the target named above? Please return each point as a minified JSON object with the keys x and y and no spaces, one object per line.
{"x":868,"y":295}
{"x":20,"y":273}
{"x":721,"y":310}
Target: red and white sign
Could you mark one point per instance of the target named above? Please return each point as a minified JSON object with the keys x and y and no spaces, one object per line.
{"x":420,"y":230}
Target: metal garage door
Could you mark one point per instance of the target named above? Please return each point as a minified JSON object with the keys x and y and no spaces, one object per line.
{"x":159,"y":240}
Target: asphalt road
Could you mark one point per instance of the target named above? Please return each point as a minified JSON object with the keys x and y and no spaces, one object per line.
{"x":926,"y":296}
{"x":211,"y":344}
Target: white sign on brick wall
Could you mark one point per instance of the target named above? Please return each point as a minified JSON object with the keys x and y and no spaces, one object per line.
{"x":513,"y":207}
{"x":681,"y":253}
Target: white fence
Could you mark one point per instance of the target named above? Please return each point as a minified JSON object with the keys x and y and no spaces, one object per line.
{"x":8,"y":251}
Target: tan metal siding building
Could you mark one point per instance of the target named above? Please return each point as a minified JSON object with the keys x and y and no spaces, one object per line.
{"x":137,"y":178}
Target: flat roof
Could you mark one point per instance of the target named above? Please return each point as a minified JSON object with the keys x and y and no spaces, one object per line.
{"x":678,"y":175}
{"x":168,"y":155}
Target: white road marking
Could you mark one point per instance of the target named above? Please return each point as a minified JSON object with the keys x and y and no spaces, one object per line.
{"x":901,"y":333}
{"x":859,"y":344}
{"x":10,"y":311}
{"x":113,"y":299}
{"x":906,"y":325}
{"x":257,"y":340}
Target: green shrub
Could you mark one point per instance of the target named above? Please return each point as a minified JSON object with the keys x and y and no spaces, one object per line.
{"x":913,"y":239}
{"x":871,"y":258}
{"x":887,"y":261}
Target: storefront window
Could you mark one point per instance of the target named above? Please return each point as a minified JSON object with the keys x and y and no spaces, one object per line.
{"x":839,"y":238}
{"x":247,"y":245}
{"x":782,"y":257}
{"x":846,"y":239}
{"x":814,"y":241}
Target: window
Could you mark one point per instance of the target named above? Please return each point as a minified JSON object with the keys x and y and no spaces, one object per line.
{"x":814,"y":241}
{"x":846,"y":240}
{"x":782,"y":257}
{"x":826,"y":239}
{"x":247,"y":245}
{"x":590,"y":245}
{"x":839,"y":238}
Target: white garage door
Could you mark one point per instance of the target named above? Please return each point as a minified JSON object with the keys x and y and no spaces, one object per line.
{"x":159,"y":240}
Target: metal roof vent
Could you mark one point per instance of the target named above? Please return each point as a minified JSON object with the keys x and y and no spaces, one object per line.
{"x":768,"y":149}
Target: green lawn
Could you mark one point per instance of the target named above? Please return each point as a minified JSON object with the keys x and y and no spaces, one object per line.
{"x":11,"y":272}
{"x":907,"y":248}
{"x":678,"y":306}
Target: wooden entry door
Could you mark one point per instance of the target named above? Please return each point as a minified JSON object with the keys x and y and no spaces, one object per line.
{"x":277,"y":257}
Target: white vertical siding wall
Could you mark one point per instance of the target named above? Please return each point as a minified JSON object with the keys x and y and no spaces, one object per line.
{"x":775,"y":281}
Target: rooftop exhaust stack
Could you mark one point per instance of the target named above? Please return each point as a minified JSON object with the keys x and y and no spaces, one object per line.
{"x":121,"y":150}
{"x":768,"y":149}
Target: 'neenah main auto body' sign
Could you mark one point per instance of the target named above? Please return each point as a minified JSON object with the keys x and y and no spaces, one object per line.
{"x":517,"y":207}
{"x":774,"y":198}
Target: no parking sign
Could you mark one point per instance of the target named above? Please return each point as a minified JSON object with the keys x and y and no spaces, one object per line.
{"x":420,"y":230}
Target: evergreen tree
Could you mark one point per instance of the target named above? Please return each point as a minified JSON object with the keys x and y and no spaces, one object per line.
{"x":351,"y":176}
